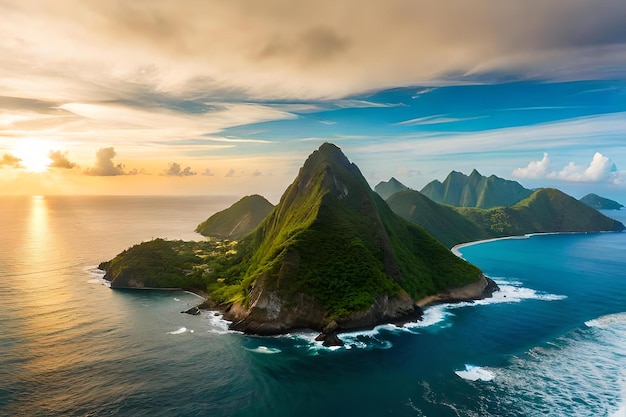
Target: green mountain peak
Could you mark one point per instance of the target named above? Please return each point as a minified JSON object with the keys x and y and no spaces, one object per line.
{"x":333,"y":250}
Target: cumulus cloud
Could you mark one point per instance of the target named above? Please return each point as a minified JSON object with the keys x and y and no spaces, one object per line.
{"x":59,"y":160}
{"x":10,"y":161}
{"x":230,"y":173}
{"x":208,"y":173}
{"x":534,"y":169}
{"x":600,"y":169}
{"x":175,"y":170}
{"x":104,"y":165}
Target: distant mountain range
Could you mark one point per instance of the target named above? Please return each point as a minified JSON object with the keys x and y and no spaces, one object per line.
{"x":544,"y":210}
{"x":475,"y":190}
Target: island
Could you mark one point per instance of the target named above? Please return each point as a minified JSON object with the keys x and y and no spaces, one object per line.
{"x":330,"y":256}
{"x":600,"y":203}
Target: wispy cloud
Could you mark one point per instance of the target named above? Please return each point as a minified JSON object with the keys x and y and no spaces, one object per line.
{"x":577,"y":132}
{"x":435,"y":120}
{"x":316,"y":50}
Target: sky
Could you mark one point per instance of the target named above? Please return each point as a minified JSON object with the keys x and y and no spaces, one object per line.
{"x":202,"y":97}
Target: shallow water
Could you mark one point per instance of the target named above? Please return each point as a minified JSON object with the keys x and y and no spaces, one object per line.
{"x":552,"y":342}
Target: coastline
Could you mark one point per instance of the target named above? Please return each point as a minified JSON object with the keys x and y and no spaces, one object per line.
{"x":455,"y":248}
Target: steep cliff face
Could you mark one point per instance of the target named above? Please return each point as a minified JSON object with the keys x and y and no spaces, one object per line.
{"x":332,"y":250}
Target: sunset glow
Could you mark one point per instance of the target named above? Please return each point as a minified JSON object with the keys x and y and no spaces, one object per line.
{"x":230,"y":93}
{"x":33,"y":154}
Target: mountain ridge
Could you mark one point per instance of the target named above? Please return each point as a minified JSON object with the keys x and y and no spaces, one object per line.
{"x":475,"y":190}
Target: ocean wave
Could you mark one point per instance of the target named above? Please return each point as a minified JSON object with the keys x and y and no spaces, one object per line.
{"x":577,"y":374}
{"x":476,"y":373}
{"x":178,"y":331}
{"x":264,"y":349}
{"x":219,"y":325}
{"x":97,"y":276}
{"x":607,"y":321}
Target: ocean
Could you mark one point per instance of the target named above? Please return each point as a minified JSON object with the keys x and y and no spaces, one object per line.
{"x":552,"y":342}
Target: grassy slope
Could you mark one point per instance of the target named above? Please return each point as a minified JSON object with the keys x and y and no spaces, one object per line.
{"x":237,"y":220}
{"x":546,"y":210}
{"x":443,"y":222}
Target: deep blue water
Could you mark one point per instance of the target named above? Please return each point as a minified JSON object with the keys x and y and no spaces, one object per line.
{"x":552,"y":342}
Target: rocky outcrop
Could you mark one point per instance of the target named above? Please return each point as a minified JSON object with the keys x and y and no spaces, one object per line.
{"x":483,"y":288}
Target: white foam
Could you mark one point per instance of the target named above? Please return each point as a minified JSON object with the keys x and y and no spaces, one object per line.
{"x":578,"y":374}
{"x":264,"y":350}
{"x":97,"y":276}
{"x":513,"y":292}
{"x":217,"y":323}
{"x":179,"y":331}
{"x":176,"y":299}
{"x":607,"y":321}
{"x":476,"y":373}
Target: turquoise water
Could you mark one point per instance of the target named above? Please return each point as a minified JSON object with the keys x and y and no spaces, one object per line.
{"x":552,"y":342}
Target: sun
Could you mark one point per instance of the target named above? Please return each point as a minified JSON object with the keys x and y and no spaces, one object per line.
{"x":33,"y":154}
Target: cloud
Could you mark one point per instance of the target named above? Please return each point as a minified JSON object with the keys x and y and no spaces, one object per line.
{"x":59,"y":160}
{"x":320,"y":49}
{"x":10,"y":161}
{"x":230,"y":173}
{"x":600,"y":169}
{"x":257,"y":173}
{"x":175,"y":170}
{"x":208,"y":173}
{"x":104,"y":166}
{"x":434,"y":120}
{"x":534,"y":169}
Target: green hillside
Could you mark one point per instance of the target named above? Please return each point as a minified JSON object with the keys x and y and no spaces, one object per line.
{"x":386,"y":189}
{"x":475,"y":190}
{"x":546,"y":210}
{"x":600,"y":203}
{"x":237,"y":220}
{"x":443,"y":222}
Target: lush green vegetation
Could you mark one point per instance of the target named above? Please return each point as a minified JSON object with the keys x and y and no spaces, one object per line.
{"x":600,"y":203}
{"x":475,"y":190}
{"x":547,"y":210}
{"x":237,"y":220}
{"x":163,"y":263}
{"x":335,"y":239}
{"x":330,"y":238}
{"x":443,"y":222}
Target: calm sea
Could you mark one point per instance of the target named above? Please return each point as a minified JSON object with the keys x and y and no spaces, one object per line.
{"x":551,"y":343}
